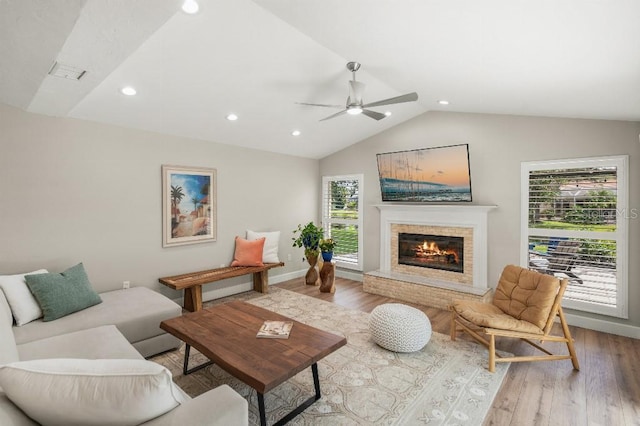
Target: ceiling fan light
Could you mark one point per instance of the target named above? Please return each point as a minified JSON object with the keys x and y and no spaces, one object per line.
{"x":354,"y":110}
{"x":190,"y":6}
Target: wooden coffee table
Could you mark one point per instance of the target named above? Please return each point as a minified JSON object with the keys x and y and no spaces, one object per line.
{"x":226,"y":334}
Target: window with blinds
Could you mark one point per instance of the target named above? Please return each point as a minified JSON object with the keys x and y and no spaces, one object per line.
{"x":574,"y":226}
{"x":342,"y":218}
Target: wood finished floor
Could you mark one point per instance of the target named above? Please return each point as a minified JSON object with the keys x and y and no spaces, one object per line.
{"x":606,"y":390}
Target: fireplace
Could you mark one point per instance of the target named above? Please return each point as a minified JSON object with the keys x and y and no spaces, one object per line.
{"x":431,"y":251}
{"x":432,"y":254}
{"x":435,"y":252}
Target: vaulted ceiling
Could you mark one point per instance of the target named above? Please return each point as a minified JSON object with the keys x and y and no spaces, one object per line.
{"x":559,"y":58}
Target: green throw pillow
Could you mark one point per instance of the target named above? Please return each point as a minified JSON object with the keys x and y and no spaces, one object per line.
{"x":63,"y":294}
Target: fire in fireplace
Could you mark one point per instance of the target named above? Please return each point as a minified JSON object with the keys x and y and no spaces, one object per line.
{"x":431,"y":251}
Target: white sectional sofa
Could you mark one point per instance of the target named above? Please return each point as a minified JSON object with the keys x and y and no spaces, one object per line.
{"x":125,"y":326}
{"x":136,"y":312}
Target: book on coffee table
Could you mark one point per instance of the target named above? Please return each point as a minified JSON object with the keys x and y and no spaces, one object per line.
{"x":275,"y":329}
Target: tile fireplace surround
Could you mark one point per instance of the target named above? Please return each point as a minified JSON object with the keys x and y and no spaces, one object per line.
{"x":427,"y":286}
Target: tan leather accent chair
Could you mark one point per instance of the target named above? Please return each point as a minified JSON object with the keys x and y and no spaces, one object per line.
{"x":524,"y":306}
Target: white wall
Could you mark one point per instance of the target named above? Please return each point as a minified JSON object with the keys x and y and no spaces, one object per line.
{"x":497,"y":146}
{"x":75,"y":191}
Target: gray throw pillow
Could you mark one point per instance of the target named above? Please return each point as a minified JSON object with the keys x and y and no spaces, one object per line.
{"x":62,"y":294}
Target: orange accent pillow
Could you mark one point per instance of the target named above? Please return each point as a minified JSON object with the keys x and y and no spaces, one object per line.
{"x":248,"y":253}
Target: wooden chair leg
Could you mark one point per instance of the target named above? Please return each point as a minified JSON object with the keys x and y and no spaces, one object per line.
{"x":492,"y":353}
{"x":453,"y":325}
{"x":567,"y":335}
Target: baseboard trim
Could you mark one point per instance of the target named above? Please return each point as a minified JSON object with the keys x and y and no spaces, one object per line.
{"x":355,"y":276}
{"x":603,"y":326}
{"x":286,"y":277}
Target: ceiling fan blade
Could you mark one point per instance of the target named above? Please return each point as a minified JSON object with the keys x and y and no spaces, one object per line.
{"x":321,"y":105}
{"x":375,"y":115}
{"x":356,"y":89}
{"x":334,"y":115}
{"x":409,"y":97}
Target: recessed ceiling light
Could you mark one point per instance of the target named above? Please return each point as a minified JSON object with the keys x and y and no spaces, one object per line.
{"x":388,"y":113}
{"x":443,"y":102}
{"x":128,"y":90}
{"x":295,"y":133}
{"x":190,"y":6}
{"x":232,"y":117}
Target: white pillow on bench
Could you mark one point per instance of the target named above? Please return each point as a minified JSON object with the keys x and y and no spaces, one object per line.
{"x":270,"y":250}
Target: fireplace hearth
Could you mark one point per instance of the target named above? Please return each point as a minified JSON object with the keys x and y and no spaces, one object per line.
{"x":431,"y":251}
{"x":419,"y":281}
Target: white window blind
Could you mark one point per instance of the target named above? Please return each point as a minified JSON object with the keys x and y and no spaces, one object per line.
{"x":342,"y":218}
{"x":574,"y":226}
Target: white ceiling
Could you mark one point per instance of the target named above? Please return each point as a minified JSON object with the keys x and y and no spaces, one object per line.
{"x":560,"y":58}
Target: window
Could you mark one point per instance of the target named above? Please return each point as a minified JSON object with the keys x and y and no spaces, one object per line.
{"x":574,"y":226}
{"x":342,"y":218}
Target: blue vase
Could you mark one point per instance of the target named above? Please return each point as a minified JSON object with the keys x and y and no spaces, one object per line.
{"x":327,"y":256}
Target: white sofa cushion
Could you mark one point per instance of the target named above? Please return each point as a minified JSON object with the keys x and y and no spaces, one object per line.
{"x":219,"y":406}
{"x":270,"y":249}
{"x":104,"y":342}
{"x":24,"y":306}
{"x":89,"y":392}
{"x":137,"y":312}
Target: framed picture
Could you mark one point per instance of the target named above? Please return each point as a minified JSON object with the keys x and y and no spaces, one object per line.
{"x":188,"y":205}
{"x":440,"y":174}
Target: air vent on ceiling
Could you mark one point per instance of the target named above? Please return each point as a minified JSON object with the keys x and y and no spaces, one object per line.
{"x":66,"y":71}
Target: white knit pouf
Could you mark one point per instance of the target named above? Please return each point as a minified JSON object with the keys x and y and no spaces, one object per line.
{"x":399,"y":328}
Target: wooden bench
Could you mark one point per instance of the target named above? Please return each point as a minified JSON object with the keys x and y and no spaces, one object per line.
{"x":192,"y":282}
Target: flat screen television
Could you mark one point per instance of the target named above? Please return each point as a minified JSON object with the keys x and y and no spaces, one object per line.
{"x":440,"y":174}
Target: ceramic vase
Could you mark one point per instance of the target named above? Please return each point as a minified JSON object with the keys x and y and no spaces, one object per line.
{"x":327,"y":256}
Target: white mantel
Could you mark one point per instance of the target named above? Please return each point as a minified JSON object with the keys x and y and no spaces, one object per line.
{"x":458,"y":215}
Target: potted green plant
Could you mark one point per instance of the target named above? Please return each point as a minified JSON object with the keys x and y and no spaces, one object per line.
{"x":326,"y":247}
{"x":309,"y":237}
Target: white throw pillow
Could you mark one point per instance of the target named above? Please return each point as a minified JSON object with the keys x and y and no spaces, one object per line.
{"x":89,"y":392}
{"x":270,"y":250}
{"x":24,"y":306}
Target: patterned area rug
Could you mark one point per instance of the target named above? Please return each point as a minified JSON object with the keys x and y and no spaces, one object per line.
{"x":445,"y":383}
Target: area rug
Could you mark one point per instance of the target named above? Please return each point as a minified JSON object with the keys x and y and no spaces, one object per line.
{"x":445,"y":383}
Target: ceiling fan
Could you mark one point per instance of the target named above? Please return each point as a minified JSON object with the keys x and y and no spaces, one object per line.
{"x":355,"y":105}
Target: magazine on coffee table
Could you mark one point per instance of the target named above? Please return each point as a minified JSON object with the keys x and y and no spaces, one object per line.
{"x":275,"y":330}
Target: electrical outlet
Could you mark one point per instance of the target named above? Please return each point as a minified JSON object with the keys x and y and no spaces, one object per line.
{"x":126,"y":284}
{"x":289,"y":256}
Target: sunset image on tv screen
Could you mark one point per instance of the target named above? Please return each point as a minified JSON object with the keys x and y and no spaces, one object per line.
{"x":439,"y":174}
